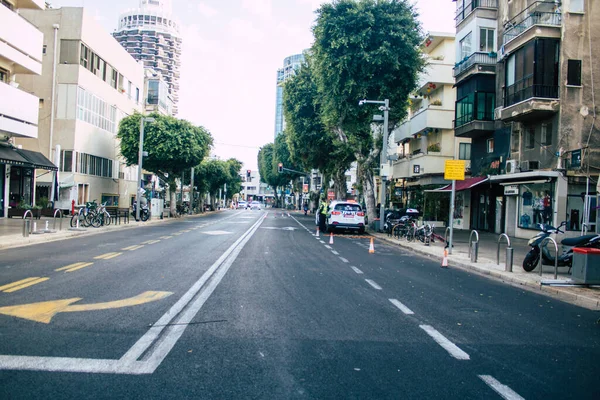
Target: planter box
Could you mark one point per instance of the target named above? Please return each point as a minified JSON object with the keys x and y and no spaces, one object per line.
{"x":19,"y":212}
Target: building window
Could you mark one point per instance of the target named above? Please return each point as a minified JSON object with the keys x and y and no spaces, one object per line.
{"x":486,"y":40}
{"x":83,"y":56}
{"x":114,"y":79}
{"x":111,"y":200}
{"x":4,"y":75}
{"x":66,"y":160}
{"x":95,"y":111}
{"x":577,"y":6}
{"x":464,"y":151}
{"x":490,"y":145}
{"x":530,"y":143}
{"x":546,"y":137}
{"x":94,"y":165}
{"x":535,"y":205}
{"x":574,"y":72}
{"x":44,"y":49}
{"x":465,"y":46}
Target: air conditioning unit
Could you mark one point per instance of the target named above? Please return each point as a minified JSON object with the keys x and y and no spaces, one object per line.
{"x":511,"y":166}
{"x":529,"y":165}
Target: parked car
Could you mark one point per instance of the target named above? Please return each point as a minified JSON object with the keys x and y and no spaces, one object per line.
{"x":255,"y":205}
{"x":242,"y":205}
{"x":347,"y":215}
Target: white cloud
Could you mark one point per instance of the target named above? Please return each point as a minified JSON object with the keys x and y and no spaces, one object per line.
{"x":207,"y":10}
{"x":261,"y":8}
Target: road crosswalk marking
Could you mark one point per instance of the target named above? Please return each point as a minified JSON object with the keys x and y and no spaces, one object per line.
{"x":74,"y":267}
{"x":22,"y":284}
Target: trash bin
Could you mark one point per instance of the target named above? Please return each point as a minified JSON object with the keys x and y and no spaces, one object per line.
{"x":586,"y":266}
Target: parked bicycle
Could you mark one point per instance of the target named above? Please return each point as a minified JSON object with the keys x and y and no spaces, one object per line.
{"x":84,"y":215}
{"x":101,"y":217}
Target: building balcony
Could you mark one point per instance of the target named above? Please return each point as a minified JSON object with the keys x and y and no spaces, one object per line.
{"x":434,"y":117}
{"x":530,"y":24}
{"x":20,"y":43}
{"x":418,"y":164}
{"x":476,"y":6}
{"x":436,"y":72}
{"x":19,"y":115}
{"x":469,"y":127}
{"x":525,"y":101}
{"x":476,"y":63}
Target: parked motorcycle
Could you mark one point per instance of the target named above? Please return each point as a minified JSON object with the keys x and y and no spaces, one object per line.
{"x":144,"y":212}
{"x":566,"y":258}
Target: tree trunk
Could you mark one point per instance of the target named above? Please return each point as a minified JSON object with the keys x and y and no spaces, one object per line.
{"x":369,"y":193}
{"x":339,"y":185}
{"x":172,"y":196}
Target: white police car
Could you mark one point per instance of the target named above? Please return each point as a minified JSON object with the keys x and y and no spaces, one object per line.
{"x":347,"y":215}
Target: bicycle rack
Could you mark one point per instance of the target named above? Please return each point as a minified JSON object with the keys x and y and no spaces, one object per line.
{"x":509,"y":253}
{"x":446,"y":235}
{"x":546,"y":240}
{"x":474,"y":246}
{"x":53,"y":230}
{"x":27,"y":224}
{"x":78,"y":228}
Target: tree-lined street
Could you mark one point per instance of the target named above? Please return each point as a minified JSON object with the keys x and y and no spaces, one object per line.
{"x":250,"y":304}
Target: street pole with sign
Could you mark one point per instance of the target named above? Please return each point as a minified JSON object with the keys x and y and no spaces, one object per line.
{"x":453,"y":170}
{"x":140,"y":161}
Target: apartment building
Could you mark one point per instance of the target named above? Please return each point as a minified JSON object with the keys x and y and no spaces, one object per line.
{"x":425,"y":140}
{"x":254,"y":189}
{"x":88,"y":85}
{"x":290,"y":65}
{"x":546,"y":87}
{"x":21,"y":53}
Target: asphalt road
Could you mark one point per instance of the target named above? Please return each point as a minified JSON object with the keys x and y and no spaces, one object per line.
{"x":250,"y":304}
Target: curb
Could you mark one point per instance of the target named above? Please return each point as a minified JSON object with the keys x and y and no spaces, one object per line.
{"x":557,"y":292}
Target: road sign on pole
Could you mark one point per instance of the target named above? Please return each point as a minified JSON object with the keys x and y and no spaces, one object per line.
{"x":454,"y":170}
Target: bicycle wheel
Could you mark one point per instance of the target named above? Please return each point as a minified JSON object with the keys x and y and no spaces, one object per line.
{"x":106,"y":218}
{"x":410,"y":235}
{"x":96,"y":220}
{"x":89,"y":217}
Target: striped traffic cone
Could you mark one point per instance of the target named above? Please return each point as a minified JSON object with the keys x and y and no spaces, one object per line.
{"x":371,"y":247}
{"x":317,"y":231}
{"x":445,"y":259}
{"x":331,"y":238}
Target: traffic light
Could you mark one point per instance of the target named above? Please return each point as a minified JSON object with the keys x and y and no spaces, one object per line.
{"x":280,"y":168}
{"x":248,"y":173}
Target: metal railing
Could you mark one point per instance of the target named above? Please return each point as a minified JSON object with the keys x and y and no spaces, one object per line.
{"x":57,"y":211}
{"x":474,"y":246}
{"x":508,"y":262}
{"x":27,"y":224}
{"x":463,"y":11}
{"x":514,"y":30}
{"x":523,"y":90}
{"x":540,"y":263}
{"x":475,"y":58}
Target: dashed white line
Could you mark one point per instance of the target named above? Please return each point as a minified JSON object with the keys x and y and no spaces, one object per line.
{"x":335,"y":252}
{"x":358,"y":271}
{"x":328,"y":247}
{"x":504,"y":391}
{"x":450,"y":347}
{"x":401,"y":306}
{"x":344,"y":260}
{"x":372,"y":283}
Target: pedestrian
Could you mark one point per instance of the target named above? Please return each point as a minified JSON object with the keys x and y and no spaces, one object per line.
{"x":322,"y":214}
{"x":305,"y":208}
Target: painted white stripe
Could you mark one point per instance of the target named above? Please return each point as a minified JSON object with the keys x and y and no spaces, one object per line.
{"x":328,"y":247}
{"x":372,"y":283}
{"x":344,"y":260}
{"x":450,"y":347}
{"x":358,"y":271}
{"x":67,"y":364}
{"x":401,"y":306}
{"x":504,"y":391}
{"x":321,"y":241}
{"x":335,"y":252}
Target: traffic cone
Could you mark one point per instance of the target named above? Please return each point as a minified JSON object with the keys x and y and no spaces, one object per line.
{"x":331,"y":238}
{"x":445,"y":259}
{"x":371,"y":247}
{"x":317,"y":231}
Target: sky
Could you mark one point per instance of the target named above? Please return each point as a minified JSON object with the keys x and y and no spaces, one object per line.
{"x":230,"y":55}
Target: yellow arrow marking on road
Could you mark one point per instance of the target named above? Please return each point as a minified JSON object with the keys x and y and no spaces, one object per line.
{"x":44,"y":311}
{"x":22,"y":284}
{"x":107,"y":256}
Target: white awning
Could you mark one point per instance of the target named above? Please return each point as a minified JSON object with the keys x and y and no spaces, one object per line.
{"x":67,"y":180}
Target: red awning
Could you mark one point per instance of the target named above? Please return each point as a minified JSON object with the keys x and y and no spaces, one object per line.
{"x":462,"y":185}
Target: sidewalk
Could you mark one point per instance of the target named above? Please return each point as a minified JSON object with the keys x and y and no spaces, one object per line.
{"x":588,"y":297}
{"x":11,"y":229}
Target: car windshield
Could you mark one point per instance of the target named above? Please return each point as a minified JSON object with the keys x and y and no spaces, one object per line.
{"x":347,"y":207}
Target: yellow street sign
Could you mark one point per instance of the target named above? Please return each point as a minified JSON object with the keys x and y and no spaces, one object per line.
{"x":44,"y":311}
{"x":454,"y":170}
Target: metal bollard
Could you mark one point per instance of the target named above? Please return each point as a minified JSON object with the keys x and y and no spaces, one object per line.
{"x":475,"y":251}
{"x":26,"y":227}
{"x":509,"y":259}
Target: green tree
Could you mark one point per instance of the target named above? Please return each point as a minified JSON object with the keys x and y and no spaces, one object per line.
{"x":173,"y":146}
{"x":365,"y":49}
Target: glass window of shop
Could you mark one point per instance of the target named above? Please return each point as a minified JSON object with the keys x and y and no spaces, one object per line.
{"x":576,"y":200}
{"x":536,"y":205}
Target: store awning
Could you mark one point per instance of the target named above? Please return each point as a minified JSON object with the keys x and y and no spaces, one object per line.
{"x":37,"y":160}
{"x":10,"y":155}
{"x":462,"y":185}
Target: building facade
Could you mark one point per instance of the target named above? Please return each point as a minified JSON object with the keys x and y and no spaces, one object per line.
{"x":96,"y":84}
{"x":21,"y":54}
{"x":151,"y":35}
{"x":290,"y":65}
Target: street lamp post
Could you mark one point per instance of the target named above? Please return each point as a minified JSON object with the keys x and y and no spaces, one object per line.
{"x":385,"y":108}
{"x":140,"y":161}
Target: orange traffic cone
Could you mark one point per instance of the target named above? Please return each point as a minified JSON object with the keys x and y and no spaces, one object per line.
{"x":331,"y":238}
{"x":371,"y":247}
{"x":317,"y":231}
{"x":445,"y":259}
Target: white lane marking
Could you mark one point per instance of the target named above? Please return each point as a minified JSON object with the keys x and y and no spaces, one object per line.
{"x":321,"y":241}
{"x":450,"y":347}
{"x":335,"y":252}
{"x":401,"y":306}
{"x":68,"y":364}
{"x":372,"y":283}
{"x":344,"y":260}
{"x":504,"y":391}
{"x":328,"y":247}
{"x":358,"y":271}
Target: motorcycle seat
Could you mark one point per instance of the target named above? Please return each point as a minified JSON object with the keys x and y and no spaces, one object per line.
{"x":576,"y":241}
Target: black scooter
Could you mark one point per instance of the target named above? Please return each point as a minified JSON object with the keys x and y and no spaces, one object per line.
{"x":144,"y":212}
{"x":566,"y":258}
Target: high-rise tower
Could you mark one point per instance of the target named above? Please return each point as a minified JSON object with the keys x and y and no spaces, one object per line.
{"x":151,"y":34}
{"x":290,"y":64}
